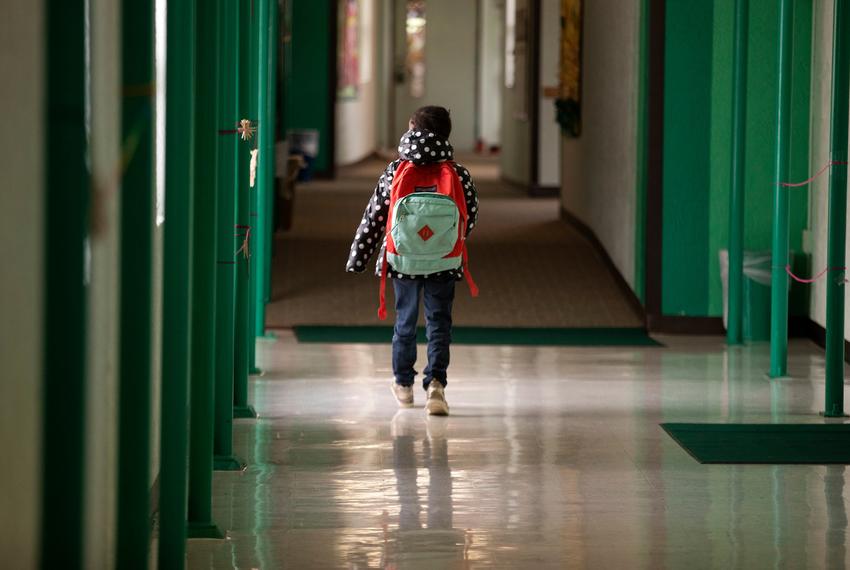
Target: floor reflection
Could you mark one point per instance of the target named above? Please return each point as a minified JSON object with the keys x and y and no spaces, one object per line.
{"x":552,"y":458}
{"x":433,"y":537}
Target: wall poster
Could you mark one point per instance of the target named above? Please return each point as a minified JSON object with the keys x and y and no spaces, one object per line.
{"x":348,"y":50}
{"x":568,"y":104}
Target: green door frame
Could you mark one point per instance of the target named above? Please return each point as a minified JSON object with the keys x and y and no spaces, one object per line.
{"x":137,"y":223}
{"x":67,"y":194}
{"x":177,"y":282}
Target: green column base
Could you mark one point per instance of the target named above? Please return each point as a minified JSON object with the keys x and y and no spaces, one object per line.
{"x":834,"y":414}
{"x":255,"y":371}
{"x":204,"y":530}
{"x":228,"y":463}
{"x":245,"y":412}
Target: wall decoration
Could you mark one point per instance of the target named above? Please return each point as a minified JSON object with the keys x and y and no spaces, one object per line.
{"x":415,"y":32}
{"x":568,"y":104}
{"x":348,"y":51}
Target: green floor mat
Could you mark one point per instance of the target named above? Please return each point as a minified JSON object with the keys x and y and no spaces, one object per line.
{"x":764,"y":443}
{"x":485,"y":335}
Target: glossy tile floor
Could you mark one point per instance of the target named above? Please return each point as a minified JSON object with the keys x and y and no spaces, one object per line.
{"x":552,"y":458}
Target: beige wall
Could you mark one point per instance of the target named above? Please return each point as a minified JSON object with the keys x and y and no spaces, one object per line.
{"x":491,"y":72}
{"x":21,"y":230}
{"x":819,"y":155}
{"x":599,"y":167}
{"x":356,"y":122}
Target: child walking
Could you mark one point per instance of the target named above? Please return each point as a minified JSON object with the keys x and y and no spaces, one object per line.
{"x":430,"y":205}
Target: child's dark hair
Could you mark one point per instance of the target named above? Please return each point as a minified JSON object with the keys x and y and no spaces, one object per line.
{"x":438,"y":120}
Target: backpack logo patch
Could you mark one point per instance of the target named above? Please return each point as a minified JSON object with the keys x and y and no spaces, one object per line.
{"x":425,"y":233}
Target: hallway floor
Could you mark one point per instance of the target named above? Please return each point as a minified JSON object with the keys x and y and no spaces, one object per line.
{"x":552,"y":458}
{"x":533,"y":269}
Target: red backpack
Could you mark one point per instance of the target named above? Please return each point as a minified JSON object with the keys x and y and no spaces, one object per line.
{"x":426,"y":224}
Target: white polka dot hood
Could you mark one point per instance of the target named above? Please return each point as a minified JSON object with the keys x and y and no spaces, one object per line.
{"x":418,"y":146}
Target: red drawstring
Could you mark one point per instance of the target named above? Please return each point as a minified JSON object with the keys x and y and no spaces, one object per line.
{"x":382,"y":306}
{"x":473,"y":288}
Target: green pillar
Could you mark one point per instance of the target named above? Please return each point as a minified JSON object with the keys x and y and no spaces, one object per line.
{"x":265,"y":174}
{"x":779,"y":280}
{"x":203,"y":277}
{"x":253,"y":273}
{"x":177,"y":282}
{"x":226,"y":184}
{"x":244,"y":332}
{"x":837,"y":211}
{"x":67,"y":185}
{"x":137,"y":222}
{"x":271,"y":162}
{"x":734,"y":329}
{"x":265,"y":136}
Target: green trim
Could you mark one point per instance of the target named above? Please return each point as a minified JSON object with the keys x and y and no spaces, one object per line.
{"x":67,"y":186}
{"x":245,"y":412}
{"x":516,"y":336}
{"x":228,"y":463}
{"x":177,"y":283}
{"x":136,"y":297}
{"x":204,"y":260}
{"x":641,"y":152}
{"x":771,"y":444}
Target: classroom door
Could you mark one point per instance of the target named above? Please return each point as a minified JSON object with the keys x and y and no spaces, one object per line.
{"x":435,"y":63}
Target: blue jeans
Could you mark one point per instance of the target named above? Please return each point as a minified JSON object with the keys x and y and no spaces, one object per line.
{"x":438,"y":297}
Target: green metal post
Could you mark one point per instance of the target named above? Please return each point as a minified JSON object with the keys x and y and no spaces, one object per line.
{"x":137,"y":222}
{"x":67,"y":184}
{"x":734,"y":328}
{"x":253,"y":81}
{"x":271,"y":162}
{"x":203,"y":278}
{"x":265,"y":136}
{"x":244,"y":332}
{"x":779,"y":280}
{"x":177,"y":282}
{"x":228,"y":116}
{"x":837,"y":211}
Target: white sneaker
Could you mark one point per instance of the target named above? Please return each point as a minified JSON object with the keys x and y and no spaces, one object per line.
{"x":436,"y":404}
{"x":403,"y":395}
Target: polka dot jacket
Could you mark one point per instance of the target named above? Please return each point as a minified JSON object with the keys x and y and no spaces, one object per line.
{"x":419,"y":147}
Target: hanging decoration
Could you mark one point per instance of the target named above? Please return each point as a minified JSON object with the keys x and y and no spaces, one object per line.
{"x":245,"y":248}
{"x":568,"y":103}
{"x":253,"y":168}
{"x":246,"y":129}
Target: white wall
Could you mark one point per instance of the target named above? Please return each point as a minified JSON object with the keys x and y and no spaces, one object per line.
{"x":491,"y":72}
{"x":516,"y":128}
{"x":549,"y":132}
{"x":356,"y":122}
{"x":103,"y":314}
{"x":821,"y":103}
{"x":21,"y":229}
{"x":599,"y":167}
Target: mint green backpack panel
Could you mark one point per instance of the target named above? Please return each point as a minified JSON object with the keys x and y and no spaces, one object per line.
{"x":424,"y":230}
